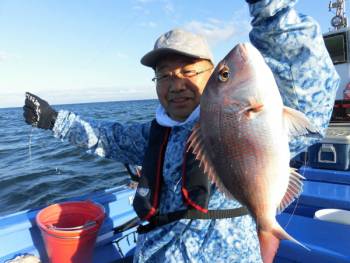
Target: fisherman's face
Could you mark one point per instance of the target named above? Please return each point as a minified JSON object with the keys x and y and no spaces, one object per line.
{"x":180,"y":83}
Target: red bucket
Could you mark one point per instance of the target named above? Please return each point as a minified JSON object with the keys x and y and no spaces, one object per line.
{"x":70,"y":230}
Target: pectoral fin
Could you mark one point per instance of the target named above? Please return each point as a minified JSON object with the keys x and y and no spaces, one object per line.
{"x":298,"y":124}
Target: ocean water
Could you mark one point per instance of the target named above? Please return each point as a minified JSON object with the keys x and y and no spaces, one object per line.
{"x":48,"y":170}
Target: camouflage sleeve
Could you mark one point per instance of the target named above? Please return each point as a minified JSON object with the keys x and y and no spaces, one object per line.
{"x":124,"y":143}
{"x":293,"y":47}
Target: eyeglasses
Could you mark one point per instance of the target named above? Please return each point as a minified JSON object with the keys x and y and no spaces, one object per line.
{"x":182,"y":74}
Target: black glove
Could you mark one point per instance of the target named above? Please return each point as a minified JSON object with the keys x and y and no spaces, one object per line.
{"x":38,"y":112}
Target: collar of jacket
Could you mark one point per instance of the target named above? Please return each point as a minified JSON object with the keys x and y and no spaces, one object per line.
{"x":164,"y":120}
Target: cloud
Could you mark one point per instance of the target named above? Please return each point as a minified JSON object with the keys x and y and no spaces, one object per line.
{"x":149,"y":24}
{"x":5,"y":56}
{"x":216,"y":30}
{"x":144,"y":1}
{"x":141,"y":6}
{"x":214,"y":33}
{"x":168,"y":7}
{"x":121,"y":55}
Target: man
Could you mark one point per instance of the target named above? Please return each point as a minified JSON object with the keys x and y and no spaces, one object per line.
{"x":292,"y":46}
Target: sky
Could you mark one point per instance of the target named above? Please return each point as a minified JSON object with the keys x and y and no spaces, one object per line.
{"x":77,"y":51}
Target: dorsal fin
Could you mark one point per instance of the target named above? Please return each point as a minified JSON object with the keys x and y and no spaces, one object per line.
{"x":295,"y":187}
{"x":195,"y":143}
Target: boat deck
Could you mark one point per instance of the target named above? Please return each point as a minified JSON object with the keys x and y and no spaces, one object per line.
{"x":327,"y":241}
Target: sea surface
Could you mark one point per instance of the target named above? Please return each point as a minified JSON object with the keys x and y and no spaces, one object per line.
{"x":37,"y":169}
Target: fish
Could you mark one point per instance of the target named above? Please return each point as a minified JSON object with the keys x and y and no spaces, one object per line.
{"x":241,"y":141}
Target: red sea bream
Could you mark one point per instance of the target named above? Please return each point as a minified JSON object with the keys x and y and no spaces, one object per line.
{"x":242,"y":141}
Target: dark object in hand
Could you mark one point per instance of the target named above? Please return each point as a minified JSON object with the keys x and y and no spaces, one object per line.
{"x":38,"y":113}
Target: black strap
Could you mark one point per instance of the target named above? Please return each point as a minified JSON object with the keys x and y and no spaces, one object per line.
{"x":133,"y":174}
{"x":127,"y":225}
{"x":160,"y":220}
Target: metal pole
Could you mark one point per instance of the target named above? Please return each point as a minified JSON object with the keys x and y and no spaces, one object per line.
{"x":339,"y":20}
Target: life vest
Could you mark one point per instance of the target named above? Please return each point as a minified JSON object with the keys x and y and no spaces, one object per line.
{"x":195,"y":187}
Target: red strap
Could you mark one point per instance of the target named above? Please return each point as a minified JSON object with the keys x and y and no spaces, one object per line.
{"x":191,"y":203}
{"x":183,"y":188}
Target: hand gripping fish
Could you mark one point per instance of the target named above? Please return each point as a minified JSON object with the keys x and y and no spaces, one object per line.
{"x":242,"y":141}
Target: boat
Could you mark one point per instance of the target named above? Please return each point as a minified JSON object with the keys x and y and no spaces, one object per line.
{"x":21,"y":235}
{"x":327,"y":239}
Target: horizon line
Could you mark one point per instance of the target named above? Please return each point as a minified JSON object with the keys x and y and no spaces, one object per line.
{"x":78,"y":103}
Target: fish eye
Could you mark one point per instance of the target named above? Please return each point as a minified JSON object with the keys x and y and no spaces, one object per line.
{"x":224,"y":74}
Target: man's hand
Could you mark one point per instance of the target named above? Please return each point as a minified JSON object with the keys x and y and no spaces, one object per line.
{"x":38,"y":112}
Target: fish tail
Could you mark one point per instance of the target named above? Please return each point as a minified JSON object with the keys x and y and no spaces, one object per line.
{"x":280,"y":233}
{"x":270,"y":240}
{"x":269,"y":244}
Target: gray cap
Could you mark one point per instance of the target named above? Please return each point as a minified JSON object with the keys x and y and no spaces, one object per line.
{"x":178,"y":41}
